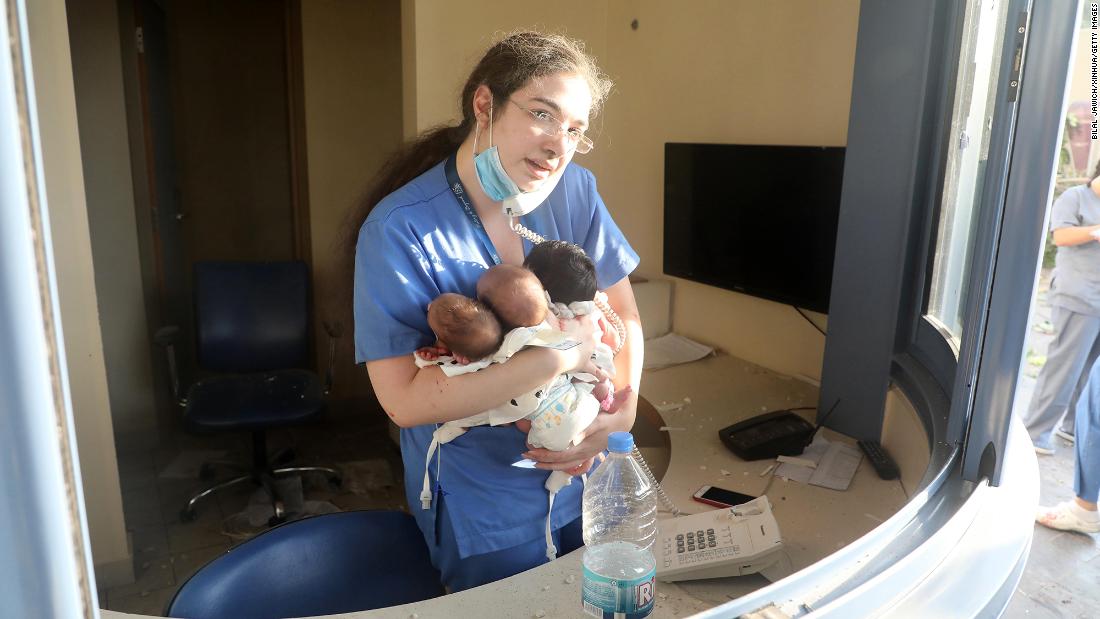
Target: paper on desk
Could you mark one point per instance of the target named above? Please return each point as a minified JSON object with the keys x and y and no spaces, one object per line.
{"x":837,"y":467}
{"x":836,"y":464}
{"x":813,"y":453}
{"x":672,"y":349}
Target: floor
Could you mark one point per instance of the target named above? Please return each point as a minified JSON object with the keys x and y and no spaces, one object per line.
{"x":167,"y":551}
{"x":1063,"y":570}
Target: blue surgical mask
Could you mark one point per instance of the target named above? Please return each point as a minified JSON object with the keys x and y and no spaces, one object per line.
{"x":500,"y":187}
{"x":490,"y":171}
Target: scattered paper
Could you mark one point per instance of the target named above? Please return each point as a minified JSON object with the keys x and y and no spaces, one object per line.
{"x":813,"y":453}
{"x":799,"y":461}
{"x":668,"y":407}
{"x":835,"y":462}
{"x":672,"y":349}
{"x":837,"y":467}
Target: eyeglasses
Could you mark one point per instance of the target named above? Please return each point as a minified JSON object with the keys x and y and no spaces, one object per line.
{"x":549,"y":125}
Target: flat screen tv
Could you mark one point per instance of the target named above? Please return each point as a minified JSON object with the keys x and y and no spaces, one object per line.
{"x":754,"y":219}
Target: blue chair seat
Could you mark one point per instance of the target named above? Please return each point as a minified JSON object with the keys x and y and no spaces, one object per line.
{"x":254,"y":401}
{"x":334,"y":563}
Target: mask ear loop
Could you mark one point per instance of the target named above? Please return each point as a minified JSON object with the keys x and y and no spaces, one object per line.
{"x":477,"y":129}
{"x":490,"y":123}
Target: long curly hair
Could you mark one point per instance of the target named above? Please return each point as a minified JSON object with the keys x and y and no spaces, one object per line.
{"x":507,"y":66}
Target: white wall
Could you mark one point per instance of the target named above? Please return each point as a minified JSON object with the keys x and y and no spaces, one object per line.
{"x":72,"y":252}
{"x":736,"y":71}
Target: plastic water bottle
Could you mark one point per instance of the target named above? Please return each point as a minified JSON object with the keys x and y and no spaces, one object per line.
{"x":620,"y":528}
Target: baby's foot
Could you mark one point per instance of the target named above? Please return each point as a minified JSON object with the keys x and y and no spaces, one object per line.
{"x":431,"y":353}
{"x":613,"y":402}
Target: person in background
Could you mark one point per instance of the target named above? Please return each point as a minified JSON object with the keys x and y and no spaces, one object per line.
{"x":1075,"y":314}
{"x":1080,"y":514}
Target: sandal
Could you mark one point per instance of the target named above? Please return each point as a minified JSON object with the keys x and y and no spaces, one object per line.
{"x":1063,"y":517}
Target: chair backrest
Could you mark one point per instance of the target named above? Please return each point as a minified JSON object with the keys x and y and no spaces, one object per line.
{"x":334,"y":563}
{"x":252,"y":316}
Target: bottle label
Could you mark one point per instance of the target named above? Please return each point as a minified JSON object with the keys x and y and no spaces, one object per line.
{"x":608,"y":598}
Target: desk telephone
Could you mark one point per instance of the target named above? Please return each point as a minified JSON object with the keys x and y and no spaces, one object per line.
{"x":734,"y":541}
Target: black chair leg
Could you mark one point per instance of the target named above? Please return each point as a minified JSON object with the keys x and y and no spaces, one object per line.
{"x":262,"y":474}
{"x":336,"y":478}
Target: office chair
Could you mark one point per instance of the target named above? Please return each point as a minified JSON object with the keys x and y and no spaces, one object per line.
{"x":252,"y":334}
{"x":321,"y":565}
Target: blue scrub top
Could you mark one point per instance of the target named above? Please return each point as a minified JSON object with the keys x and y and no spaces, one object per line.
{"x":418,"y":243}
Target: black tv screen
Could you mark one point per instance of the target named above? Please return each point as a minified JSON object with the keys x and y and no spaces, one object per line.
{"x":754,"y":219}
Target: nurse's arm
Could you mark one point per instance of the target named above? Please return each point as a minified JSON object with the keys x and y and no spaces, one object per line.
{"x":1075,"y":235}
{"x":414,"y":396}
{"x":628,"y":363}
{"x":628,"y":370}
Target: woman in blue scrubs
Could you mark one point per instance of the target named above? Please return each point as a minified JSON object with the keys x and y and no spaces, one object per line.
{"x":433,"y":222}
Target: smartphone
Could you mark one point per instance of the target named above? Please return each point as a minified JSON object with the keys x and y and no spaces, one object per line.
{"x":720,"y":497}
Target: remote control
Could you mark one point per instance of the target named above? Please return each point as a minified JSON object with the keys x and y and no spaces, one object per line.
{"x":883,"y":463}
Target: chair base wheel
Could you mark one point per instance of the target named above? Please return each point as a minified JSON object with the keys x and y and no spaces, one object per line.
{"x":280,"y":514}
{"x":188,"y":515}
{"x":336,"y":481}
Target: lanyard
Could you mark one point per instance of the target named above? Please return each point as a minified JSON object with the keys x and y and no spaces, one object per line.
{"x":455,"y":183}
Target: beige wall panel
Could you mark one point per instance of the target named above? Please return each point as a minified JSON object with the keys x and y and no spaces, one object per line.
{"x":97,"y":76}
{"x":727,"y":72}
{"x":451,"y":36}
{"x":75,"y":277}
{"x":351,"y":52}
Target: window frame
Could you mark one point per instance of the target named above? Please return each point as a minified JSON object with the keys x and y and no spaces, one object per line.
{"x":893,"y":198}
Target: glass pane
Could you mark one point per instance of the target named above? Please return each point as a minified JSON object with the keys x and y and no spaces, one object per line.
{"x":971,"y":121}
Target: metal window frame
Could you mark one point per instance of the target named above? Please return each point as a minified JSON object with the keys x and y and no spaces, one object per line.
{"x":891,"y":203}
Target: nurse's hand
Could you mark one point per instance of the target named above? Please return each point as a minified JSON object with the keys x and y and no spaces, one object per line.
{"x":579,"y":358}
{"x":580,"y":457}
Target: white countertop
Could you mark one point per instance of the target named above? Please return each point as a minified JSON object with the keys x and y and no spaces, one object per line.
{"x":722,"y":390}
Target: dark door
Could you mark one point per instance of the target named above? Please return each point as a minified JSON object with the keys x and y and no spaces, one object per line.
{"x":214,"y":90}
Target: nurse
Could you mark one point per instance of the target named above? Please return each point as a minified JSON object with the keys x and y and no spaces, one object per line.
{"x":433,"y":222}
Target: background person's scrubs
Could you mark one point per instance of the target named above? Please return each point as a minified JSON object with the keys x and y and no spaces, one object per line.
{"x":416,"y":244}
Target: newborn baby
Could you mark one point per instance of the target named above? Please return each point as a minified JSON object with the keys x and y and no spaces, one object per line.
{"x":464,"y":328}
{"x":558,"y":411}
{"x":468,"y":339}
{"x":569,"y":277}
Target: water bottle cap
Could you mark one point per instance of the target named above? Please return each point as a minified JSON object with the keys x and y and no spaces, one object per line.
{"x":620,"y":442}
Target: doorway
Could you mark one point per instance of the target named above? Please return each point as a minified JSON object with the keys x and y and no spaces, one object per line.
{"x":220,"y":115}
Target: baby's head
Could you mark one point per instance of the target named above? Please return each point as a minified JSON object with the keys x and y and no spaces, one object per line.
{"x":514,"y":294}
{"x":464,"y":325}
{"x":566,"y":272}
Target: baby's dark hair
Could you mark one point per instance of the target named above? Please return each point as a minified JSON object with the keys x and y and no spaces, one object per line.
{"x":465,"y":325}
{"x":566,"y":272}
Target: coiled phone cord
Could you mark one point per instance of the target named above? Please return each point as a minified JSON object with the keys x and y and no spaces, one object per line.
{"x":616,"y":322}
{"x":656,"y":484}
